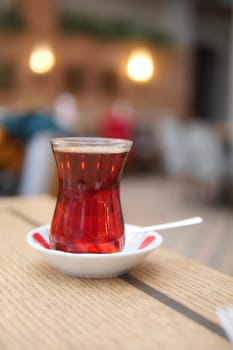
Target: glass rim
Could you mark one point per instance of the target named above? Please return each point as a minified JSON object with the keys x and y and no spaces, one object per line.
{"x":93,"y":142}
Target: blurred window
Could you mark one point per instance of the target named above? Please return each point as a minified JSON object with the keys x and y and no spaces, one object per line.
{"x":74,"y":79}
{"x":108,"y":82}
{"x":7,"y":75}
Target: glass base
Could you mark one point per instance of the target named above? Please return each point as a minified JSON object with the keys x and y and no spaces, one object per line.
{"x":89,"y":247}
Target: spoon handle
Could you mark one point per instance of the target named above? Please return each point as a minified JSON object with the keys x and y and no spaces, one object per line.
{"x":180,"y":223}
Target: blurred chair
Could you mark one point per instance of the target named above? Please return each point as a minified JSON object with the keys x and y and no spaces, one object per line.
{"x":193,"y":152}
{"x":119,"y":122}
{"x":38,"y":170}
{"x":66,"y":112}
{"x":170,"y":138}
{"x":38,"y":166}
{"x":206,"y":161}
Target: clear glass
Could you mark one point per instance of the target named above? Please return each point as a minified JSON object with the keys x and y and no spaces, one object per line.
{"x":88,"y":215}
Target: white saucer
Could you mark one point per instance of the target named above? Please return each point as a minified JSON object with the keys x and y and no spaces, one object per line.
{"x":97,"y":265}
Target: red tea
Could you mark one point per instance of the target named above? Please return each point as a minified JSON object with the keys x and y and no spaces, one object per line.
{"x":88,"y":216}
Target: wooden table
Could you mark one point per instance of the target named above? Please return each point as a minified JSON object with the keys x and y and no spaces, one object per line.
{"x":167,"y":302}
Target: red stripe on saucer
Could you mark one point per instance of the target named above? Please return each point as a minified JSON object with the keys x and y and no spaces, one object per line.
{"x":148,"y":240}
{"x":40,"y":239}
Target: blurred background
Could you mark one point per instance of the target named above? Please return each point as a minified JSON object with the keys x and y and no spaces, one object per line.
{"x":159,"y":72}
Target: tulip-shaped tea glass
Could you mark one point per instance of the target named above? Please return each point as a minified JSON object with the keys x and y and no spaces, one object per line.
{"x":88,"y":215}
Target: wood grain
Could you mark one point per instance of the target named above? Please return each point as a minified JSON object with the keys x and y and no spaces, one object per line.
{"x":43,"y":307}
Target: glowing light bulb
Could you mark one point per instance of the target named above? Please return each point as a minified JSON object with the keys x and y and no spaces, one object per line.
{"x":42,"y":59}
{"x":140,"y":66}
